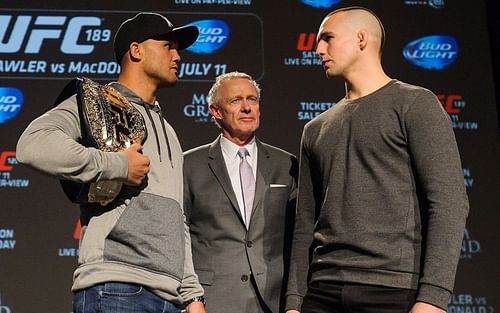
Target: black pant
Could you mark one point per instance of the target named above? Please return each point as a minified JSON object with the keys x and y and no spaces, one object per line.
{"x":331,"y":297}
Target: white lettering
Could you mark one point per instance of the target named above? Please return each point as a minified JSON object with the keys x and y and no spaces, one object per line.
{"x":6,"y":233}
{"x":7,"y":244}
{"x":48,"y":28}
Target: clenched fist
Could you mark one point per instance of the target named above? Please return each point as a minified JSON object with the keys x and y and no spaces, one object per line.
{"x":138,"y":165}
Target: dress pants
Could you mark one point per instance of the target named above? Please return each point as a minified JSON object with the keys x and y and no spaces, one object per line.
{"x":333,"y":297}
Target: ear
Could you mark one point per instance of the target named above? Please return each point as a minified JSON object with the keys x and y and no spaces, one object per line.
{"x":363,"y":39}
{"x":135,"y":51}
{"x":214,"y":110}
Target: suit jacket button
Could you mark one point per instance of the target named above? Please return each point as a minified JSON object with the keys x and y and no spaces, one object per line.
{"x":244,"y":277}
{"x":249,"y":243}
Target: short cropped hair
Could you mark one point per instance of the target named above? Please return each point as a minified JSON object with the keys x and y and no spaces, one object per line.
{"x":382,"y":29}
{"x":213,"y":94}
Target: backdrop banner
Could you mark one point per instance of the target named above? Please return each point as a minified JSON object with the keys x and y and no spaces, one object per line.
{"x":438,"y":44}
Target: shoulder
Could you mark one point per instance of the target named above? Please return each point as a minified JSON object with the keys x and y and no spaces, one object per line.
{"x":313,"y":127}
{"x":406,"y":99}
{"x":197,"y":152}
{"x":69,"y":103}
{"x":412,"y":92}
{"x":421,"y":107}
{"x":420,"y":99}
{"x":195,"y":159}
{"x":276,"y":152}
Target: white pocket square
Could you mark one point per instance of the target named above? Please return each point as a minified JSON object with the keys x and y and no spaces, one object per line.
{"x":276,"y":185}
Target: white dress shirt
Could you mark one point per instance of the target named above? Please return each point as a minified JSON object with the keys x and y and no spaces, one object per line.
{"x":232,"y":160}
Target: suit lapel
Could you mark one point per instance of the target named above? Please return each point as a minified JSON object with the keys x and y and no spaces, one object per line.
{"x":264,"y":168}
{"x":218,"y":166}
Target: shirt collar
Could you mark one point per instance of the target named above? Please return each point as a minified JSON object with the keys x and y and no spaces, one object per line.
{"x":230,"y":149}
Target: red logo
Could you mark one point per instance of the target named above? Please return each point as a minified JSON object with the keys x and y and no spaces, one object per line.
{"x":7,"y":160}
{"x":452,"y":104}
{"x":78,"y":229}
{"x":306,"y":42}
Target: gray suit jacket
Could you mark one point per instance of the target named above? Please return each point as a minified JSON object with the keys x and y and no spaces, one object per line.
{"x":224,"y":252}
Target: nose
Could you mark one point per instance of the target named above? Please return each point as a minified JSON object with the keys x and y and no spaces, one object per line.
{"x":245,"y":106}
{"x":176,"y":57}
{"x":320,"y":48}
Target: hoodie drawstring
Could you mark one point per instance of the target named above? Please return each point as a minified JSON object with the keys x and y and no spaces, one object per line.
{"x":166,"y":136}
{"x":162,"y":120}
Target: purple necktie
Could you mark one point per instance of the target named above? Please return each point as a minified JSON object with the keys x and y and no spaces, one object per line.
{"x":247,"y":184}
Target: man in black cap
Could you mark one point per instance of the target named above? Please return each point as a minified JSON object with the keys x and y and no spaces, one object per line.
{"x":135,"y":252}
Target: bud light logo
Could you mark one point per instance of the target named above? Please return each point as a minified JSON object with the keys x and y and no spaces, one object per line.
{"x":214,"y":35}
{"x":3,"y":308}
{"x":432,"y":52}
{"x":321,"y":4}
{"x":436,"y":4}
{"x":11,"y":101}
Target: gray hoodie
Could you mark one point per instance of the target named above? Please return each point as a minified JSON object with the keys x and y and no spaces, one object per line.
{"x":141,"y":237}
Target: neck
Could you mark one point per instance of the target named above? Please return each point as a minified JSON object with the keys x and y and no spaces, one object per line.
{"x":140,"y":86}
{"x":239,"y":140}
{"x":365,"y":81}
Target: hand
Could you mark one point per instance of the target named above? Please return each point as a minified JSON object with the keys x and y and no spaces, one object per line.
{"x":138,"y":165}
{"x":422,"y":307}
{"x":195,"y":307}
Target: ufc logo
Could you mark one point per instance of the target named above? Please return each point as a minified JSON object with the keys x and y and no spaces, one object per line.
{"x":306,"y":42}
{"x":7,"y":161}
{"x":41,"y":28}
{"x":453,"y":104}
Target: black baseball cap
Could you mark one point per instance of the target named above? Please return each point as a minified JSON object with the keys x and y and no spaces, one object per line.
{"x":147,"y":25}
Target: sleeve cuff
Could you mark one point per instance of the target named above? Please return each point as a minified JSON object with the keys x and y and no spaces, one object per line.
{"x":434,"y":295}
{"x":117,"y":166}
{"x":293,"y":302}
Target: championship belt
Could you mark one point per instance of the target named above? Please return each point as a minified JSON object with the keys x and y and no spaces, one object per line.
{"x":111,"y":124}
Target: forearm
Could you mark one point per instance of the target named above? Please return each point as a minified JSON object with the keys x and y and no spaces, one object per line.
{"x":299,"y":266}
{"x":190,"y":286}
{"x":49,"y":144}
{"x":302,"y":236}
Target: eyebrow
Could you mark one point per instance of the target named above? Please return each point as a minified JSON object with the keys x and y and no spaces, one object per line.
{"x":322,"y":36}
{"x":172,"y":43}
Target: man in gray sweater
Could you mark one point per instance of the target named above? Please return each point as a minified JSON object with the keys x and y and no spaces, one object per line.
{"x":135,"y":252}
{"x":381,"y":199}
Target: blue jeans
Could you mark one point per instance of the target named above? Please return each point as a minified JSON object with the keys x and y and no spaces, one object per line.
{"x":120,"y":298}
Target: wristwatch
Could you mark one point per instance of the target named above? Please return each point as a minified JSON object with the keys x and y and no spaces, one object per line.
{"x":195,"y":299}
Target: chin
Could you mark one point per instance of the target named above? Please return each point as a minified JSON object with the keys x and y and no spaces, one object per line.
{"x":246,"y":133}
{"x":330,"y":73}
{"x":169,"y":83}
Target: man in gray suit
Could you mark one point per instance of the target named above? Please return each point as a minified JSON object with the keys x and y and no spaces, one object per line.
{"x":239,"y":198}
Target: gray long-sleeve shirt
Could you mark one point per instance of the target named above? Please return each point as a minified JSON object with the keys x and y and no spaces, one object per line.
{"x":381,"y":196}
{"x":141,"y":238}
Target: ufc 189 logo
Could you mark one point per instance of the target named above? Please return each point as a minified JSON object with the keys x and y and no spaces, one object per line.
{"x":27,"y":34}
